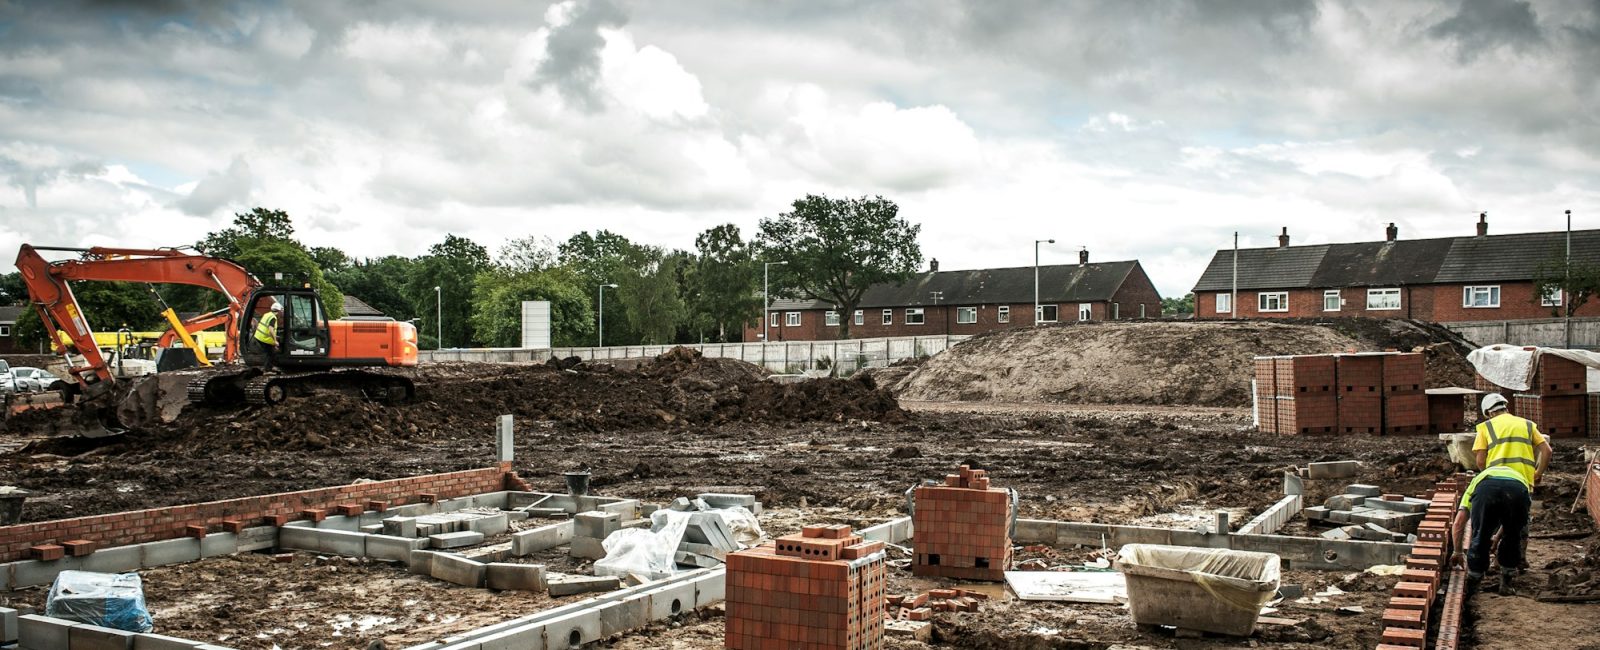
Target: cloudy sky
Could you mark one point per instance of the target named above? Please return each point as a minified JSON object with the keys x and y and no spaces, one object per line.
{"x":1149,"y":130}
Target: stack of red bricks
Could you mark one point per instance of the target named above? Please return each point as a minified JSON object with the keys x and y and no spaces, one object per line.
{"x":962,"y":529}
{"x":1557,"y":401}
{"x":1412,"y":608}
{"x":922,"y":606}
{"x":1344,"y":393}
{"x":823,"y":589}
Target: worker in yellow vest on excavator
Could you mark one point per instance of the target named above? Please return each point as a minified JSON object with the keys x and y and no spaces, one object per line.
{"x":266,"y":334}
{"x":1512,"y":457}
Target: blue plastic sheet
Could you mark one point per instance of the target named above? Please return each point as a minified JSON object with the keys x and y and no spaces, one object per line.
{"x":114,"y":600}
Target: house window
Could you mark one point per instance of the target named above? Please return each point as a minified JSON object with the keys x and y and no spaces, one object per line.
{"x":791,"y":319}
{"x":1224,"y":303}
{"x":5,"y":330}
{"x":772,"y":319}
{"x":888,"y":317}
{"x":1331,"y":300}
{"x":1272,"y":301}
{"x":1382,"y":299}
{"x":1141,"y":310}
{"x":1085,"y":310}
{"x":1005,"y":313}
{"x":914,"y":316}
{"x":966,"y":315}
{"x":1485,"y":297}
{"x":861,"y":317}
{"x":1551,"y":298}
{"x":831,"y":318}
{"x":1046,"y":314}
{"x":1116,"y":311}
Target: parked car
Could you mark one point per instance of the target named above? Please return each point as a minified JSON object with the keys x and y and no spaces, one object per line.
{"x":32,"y":380}
{"x":8,"y":384}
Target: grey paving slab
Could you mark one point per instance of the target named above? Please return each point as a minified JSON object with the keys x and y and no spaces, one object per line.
{"x":394,"y":549}
{"x":35,"y":632}
{"x":455,"y":569}
{"x":516,"y":577}
{"x":538,"y":539}
{"x":456,"y":540}
{"x":90,"y":637}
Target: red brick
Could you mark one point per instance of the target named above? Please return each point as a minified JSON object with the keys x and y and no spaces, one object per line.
{"x":79,"y":547}
{"x":47,"y":552}
{"x":314,"y":514}
{"x":350,"y":509}
{"x":197,"y":532}
{"x":1403,"y":637}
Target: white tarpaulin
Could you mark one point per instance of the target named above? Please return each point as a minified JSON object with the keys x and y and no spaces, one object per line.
{"x":1107,"y":587}
{"x":1513,"y":367}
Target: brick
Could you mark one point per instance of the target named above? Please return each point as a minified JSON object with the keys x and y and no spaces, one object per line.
{"x":79,"y":547}
{"x":195,"y":531}
{"x":47,"y":552}
{"x":314,"y":514}
{"x":349,"y":509}
{"x":1404,"y":637}
{"x":428,"y":497}
{"x":232,"y":526}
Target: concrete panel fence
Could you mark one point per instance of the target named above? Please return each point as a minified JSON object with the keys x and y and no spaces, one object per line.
{"x":1545,"y":332}
{"x":780,"y":357}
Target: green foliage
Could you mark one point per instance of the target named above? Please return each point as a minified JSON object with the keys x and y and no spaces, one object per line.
{"x":1578,"y":282}
{"x":497,"y":297}
{"x":835,"y":248}
{"x":451,"y":265}
{"x":12,"y":290}
{"x":1184,"y":305}
{"x":527,"y":254}
{"x":650,"y":290}
{"x":381,"y":282}
{"x":108,"y":306}
{"x":330,"y":259}
{"x":722,"y":284}
{"x":265,"y":258}
{"x":604,"y":258}
{"x":255,"y":225}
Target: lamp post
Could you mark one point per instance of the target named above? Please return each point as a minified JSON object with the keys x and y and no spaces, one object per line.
{"x":1566,"y":303}
{"x":438,"y":306}
{"x":766,"y":304}
{"x":1036,"y":243}
{"x":600,"y":341}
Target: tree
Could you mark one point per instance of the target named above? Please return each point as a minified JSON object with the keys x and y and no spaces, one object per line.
{"x":451,"y":265}
{"x":382,"y":283}
{"x":1577,"y":283}
{"x":12,"y":290}
{"x":723,"y":282}
{"x":497,"y":297}
{"x":835,"y":249}
{"x":262,"y":241}
{"x":1184,"y":305}
{"x":649,"y":289}
{"x":108,"y":306}
{"x":266,"y":258}
{"x":330,"y":259}
{"x":527,"y":254}
{"x":257,"y":224}
{"x":605,"y":258}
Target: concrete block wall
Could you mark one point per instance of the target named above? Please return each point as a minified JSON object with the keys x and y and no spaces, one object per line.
{"x":963,"y":528}
{"x":156,"y":524}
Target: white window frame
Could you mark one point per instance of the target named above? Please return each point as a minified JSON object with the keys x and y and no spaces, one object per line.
{"x":1224,"y":303}
{"x":1378,"y":293}
{"x":1336,"y":295}
{"x":915,"y":316}
{"x":1141,"y":311}
{"x":1085,"y":311}
{"x":1552,"y":298}
{"x":1490,"y":293}
{"x":5,"y":330}
{"x":1038,"y":315}
{"x":888,"y":317}
{"x":830,"y":318}
{"x":1264,"y":298}
{"x":773,"y":319}
{"x":966,"y":315}
{"x":791,"y":319}
{"x":1004,"y":314}
{"x":861,"y":317}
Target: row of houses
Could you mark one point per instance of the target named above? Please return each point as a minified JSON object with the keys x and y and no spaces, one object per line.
{"x":1478,"y":277}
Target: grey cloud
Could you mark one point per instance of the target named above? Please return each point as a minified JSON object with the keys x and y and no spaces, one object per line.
{"x":1485,"y":24}
{"x":30,"y":175}
{"x":219,"y":189}
{"x":573,"y":62}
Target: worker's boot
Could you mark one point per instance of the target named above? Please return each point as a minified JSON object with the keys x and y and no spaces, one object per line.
{"x":1505,"y":583}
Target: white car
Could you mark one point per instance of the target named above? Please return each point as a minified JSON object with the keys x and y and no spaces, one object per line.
{"x":8,"y":384}
{"x":32,"y":380}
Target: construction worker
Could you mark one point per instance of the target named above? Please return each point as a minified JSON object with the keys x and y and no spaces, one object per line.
{"x":267,"y":333}
{"x":1511,"y":452}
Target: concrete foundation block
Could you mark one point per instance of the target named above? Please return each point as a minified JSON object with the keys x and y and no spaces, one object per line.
{"x":456,"y":540}
{"x":172,"y":551}
{"x":711,"y":589}
{"x":1344,"y":502}
{"x":538,"y":539}
{"x":1036,"y":531}
{"x":515,"y":500}
{"x":1316,"y":513}
{"x":490,"y":525}
{"x":455,"y":569}
{"x":595,"y":524}
{"x":90,"y":637}
{"x":421,"y":562}
{"x":371,"y":529}
{"x":724,"y":500}
{"x":1293,"y":484}
{"x":159,"y":642}
{"x":346,"y":543}
{"x":623,"y":616}
{"x":529,"y":637}
{"x":8,"y":625}
{"x":1333,"y":469}
{"x":573,"y":630}
{"x":1405,"y":505}
{"x":565,"y":584}
{"x":35,"y":632}
{"x":298,"y":538}
{"x":625,"y":508}
{"x":516,"y":515}
{"x":671,"y":600}
{"x":587,"y":548}
{"x":394,"y":549}
{"x":32,"y":573}
{"x":1364,"y":490}
{"x":491,"y":553}
{"x":216,"y":544}
{"x":255,"y":538}
{"x":515,"y":577}
{"x":340,"y":522}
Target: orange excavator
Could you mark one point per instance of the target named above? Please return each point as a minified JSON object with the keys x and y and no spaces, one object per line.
{"x":315,"y":353}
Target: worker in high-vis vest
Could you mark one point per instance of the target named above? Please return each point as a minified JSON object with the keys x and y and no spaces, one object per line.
{"x":1497,"y":500}
{"x":267,"y":334}
{"x":1506,"y":447}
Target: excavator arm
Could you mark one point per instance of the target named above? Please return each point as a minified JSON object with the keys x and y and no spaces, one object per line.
{"x":51,"y":295}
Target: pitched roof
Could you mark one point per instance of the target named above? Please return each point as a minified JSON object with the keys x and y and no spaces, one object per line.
{"x":1095,"y":282}
{"x":355,"y":308}
{"x":9,"y":313}
{"x":1392,"y":263}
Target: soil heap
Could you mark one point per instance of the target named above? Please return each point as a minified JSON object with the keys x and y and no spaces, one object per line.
{"x":1164,"y":363}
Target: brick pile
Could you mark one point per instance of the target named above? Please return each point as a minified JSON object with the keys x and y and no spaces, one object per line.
{"x":1557,"y":400}
{"x":1413,"y":607}
{"x":922,"y":606}
{"x":962,"y":529}
{"x":1342,"y":393}
{"x":823,"y":589}
{"x":1594,"y":415}
{"x":1447,"y":413}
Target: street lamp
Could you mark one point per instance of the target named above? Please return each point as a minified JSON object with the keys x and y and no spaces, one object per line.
{"x":1036,"y":243}
{"x":438,"y":303}
{"x":766,"y":310}
{"x":1566,"y":302}
{"x":600,"y":341}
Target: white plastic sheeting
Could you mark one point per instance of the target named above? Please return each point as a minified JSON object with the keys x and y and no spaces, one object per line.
{"x":649,"y":553}
{"x":1513,"y":367}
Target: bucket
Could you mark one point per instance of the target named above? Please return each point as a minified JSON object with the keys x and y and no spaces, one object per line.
{"x":11,"y":499}
{"x":1210,"y":590}
{"x":577,"y":483}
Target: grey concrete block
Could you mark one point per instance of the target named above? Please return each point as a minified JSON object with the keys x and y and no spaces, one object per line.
{"x":118,"y":559}
{"x":491,"y":553}
{"x":489,"y":526}
{"x":492,"y":500}
{"x":573,"y":630}
{"x":455,"y":569}
{"x":340,"y":522}
{"x":35,"y":632}
{"x":219,"y":544}
{"x":1364,"y":490}
{"x":298,"y":538}
{"x":525,"y":637}
{"x":1032,"y":531}
{"x":671,"y":600}
{"x":1316,"y":513}
{"x":587,"y":548}
{"x":504,"y":430}
{"x":301,"y":523}
{"x":566,"y":584}
{"x":1339,"y":516}
{"x":516,"y":500}
{"x":623,"y":616}
{"x":400,"y":526}
{"x":1293,"y":484}
{"x":421,"y":562}
{"x":456,"y":540}
{"x":8,"y":625}
{"x":31,"y":573}
{"x":516,"y":577}
{"x":626,"y":508}
{"x":371,"y":529}
{"x":340,"y":542}
{"x":1406,"y":505}
{"x":516,"y":515}
{"x":1344,"y":502}
{"x":595,"y":524}
{"x":255,"y":538}
{"x":538,"y":539}
{"x":160,"y":642}
{"x":1337,"y":533}
{"x":172,"y":551}
{"x":90,"y":637}
{"x":724,"y":500}
{"x":1333,"y":469}
{"x":711,"y":588}
{"x":394,"y":549}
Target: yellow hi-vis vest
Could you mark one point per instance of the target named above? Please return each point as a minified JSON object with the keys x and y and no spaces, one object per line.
{"x":267,"y":328}
{"x":1510,"y":441}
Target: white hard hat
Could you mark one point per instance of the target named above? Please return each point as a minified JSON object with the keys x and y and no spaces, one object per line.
{"x":277,"y":306}
{"x":1493,"y":401}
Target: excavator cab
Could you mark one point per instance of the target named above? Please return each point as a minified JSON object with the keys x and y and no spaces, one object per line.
{"x":303,"y":336}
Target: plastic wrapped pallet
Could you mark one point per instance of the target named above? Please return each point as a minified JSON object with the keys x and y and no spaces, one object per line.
{"x":1211,"y":590}
{"x":114,"y":600}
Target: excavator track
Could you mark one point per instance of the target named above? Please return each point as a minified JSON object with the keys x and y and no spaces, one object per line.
{"x":269,"y":389}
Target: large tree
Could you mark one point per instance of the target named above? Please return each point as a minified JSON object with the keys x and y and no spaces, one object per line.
{"x":452,"y":266}
{"x":380,"y":282}
{"x":723,"y":282}
{"x":262,"y":241}
{"x":1577,"y":282}
{"x":605,"y":258}
{"x":834,"y":249}
{"x":650,"y":291}
{"x":497,"y":297}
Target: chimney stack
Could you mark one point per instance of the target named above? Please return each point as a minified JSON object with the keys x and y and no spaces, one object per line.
{"x":1283,"y":239}
{"x":1083,"y":256}
{"x":1391,"y":232}
{"x":1483,"y":224}
{"x":933,"y":265}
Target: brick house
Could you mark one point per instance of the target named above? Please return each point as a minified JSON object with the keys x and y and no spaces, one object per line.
{"x":971,"y":302}
{"x":8,"y":328}
{"x":1452,"y":279}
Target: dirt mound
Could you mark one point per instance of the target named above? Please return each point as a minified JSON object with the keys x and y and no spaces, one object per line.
{"x":1193,"y":363}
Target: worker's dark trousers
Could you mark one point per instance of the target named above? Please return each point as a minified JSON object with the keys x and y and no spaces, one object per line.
{"x":272,"y":355}
{"x":1499,"y":504}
